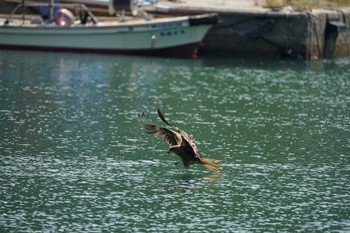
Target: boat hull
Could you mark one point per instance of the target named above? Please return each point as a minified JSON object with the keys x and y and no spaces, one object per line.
{"x":165,"y":37}
{"x":186,"y":50}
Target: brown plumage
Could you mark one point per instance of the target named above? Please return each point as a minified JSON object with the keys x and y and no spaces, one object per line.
{"x":180,"y":143}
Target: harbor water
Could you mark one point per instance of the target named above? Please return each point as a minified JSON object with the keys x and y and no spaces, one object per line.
{"x":75,"y":159}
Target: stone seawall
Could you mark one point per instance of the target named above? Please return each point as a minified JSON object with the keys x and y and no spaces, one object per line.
{"x":275,"y":32}
{"x":330,"y":34}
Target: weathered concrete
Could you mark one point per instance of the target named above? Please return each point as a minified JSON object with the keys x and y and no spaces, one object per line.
{"x":259,"y":35}
{"x":275,"y":33}
{"x":325,"y":41}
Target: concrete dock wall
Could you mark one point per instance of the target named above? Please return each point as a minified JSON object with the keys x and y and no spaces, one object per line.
{"x":327,"y":41}
{"x":296,"y":33}
{"x":302,"y":35}
{"x":260,"y":35}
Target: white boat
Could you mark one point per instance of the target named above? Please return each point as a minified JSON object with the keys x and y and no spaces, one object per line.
{"x":167,"y":36}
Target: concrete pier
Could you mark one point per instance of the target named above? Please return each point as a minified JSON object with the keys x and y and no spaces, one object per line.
{"x":286,"y":32}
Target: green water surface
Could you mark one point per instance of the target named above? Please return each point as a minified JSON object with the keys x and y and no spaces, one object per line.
{"x":75,"y":159}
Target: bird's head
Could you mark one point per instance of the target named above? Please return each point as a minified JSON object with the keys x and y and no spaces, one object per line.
{"x":171,"y":150}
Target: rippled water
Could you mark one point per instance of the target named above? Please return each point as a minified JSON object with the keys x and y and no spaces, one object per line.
{"x":74,"y":159}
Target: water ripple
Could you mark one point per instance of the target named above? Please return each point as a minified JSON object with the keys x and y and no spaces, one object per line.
{"x":74,"y":158}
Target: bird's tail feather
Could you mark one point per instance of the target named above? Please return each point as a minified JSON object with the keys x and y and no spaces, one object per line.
{"x":212,"y":164}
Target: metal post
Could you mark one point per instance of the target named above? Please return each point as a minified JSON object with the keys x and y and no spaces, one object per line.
{"x":51,"y":6}
{"x":24,"y":11}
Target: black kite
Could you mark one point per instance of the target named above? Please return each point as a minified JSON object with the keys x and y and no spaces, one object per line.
{"x":180,"y":143}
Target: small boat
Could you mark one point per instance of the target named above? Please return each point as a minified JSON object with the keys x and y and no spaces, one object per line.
{"x":164,"y":36}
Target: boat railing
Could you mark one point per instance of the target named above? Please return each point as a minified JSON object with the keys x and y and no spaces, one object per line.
{"x":51,"y":6}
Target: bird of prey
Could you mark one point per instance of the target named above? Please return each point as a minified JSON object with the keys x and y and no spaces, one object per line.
{"x":180,"y":143}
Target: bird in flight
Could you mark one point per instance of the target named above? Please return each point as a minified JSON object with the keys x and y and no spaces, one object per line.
{"x":180,"y":143}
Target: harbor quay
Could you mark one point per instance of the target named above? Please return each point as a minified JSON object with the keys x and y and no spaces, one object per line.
{"x":273,"y":32}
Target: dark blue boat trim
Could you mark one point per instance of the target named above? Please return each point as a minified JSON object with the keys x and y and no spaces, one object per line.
{"x":187,"y":50}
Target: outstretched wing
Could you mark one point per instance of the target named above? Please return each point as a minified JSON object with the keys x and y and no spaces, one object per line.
{"x":189,"y":138}
{"x":171,"y":137}
{"x":191,"y":142}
